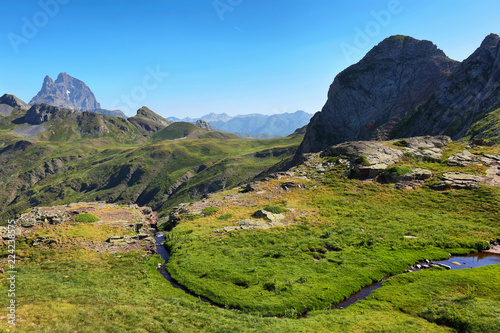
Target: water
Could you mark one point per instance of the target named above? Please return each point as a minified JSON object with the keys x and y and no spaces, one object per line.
{"x":160,"y":249}
{"x":454,"y":262}
{"x":472,"y":260}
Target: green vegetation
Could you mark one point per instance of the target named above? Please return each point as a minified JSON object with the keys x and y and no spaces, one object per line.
{"x":398,"y":170}
{"x":401,"y":143}
{"x":72,"y":289}
{"x":157,"y":174}
{"x":225,"y":217}
{"x":86,"y":218}
{"x":275,"y":209}
{"x":488,"y":126}
{"x":175,"y":131}
{"x":362,"y":160}
{"x":209,"y":211}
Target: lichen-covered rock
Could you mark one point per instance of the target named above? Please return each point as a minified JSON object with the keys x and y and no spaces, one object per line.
{"x":274,"y":219}
{"x":462,"y":159}
{"x":458,"y":180}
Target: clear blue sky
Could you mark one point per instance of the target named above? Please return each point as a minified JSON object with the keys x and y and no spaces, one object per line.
{"x":246,"y":56}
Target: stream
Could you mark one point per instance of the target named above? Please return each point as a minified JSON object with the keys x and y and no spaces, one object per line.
{"x":472,"y":260}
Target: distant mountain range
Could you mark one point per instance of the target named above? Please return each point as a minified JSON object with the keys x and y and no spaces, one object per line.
{"x":255,"y":125}
{"x":70,"y":93}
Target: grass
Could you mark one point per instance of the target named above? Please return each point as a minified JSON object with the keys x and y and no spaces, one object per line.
{"x":351,"y":235}
{"x":275,"y":209}
{"x":86,"y":218}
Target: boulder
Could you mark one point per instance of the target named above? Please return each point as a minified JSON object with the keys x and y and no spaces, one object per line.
{"x":458,"y":180}
{"x":274,"y":219}
{"x":462,"y":159}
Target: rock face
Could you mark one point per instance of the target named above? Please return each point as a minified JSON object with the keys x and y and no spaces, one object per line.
{"x":203,"y":124}
{"x":13,"y":101}
{"x":66,"y":92}
{"x":40,"y":113}
{"x":469,"y":93}
{"x":368,"y":99}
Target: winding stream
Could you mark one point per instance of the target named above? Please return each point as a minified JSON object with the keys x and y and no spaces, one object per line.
{"x":472,"y":260}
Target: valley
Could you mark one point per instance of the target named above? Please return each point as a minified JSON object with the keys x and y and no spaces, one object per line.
{"x":154,"y":224}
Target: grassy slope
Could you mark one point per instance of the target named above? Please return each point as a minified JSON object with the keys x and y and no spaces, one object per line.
{"x":488,"y":127}
{"x":58,"y":172}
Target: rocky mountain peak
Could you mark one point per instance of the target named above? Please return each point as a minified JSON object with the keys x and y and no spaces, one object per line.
{"x":13,"y":101}
{"x":472,"y":90}
{"x":368,"y":99}
{"x":147,"y":113}
{"x":67,"y":92}
{"x":203,"y":124}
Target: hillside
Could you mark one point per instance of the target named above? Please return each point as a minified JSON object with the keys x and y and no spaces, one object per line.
{"x":183,"y":130}
{"x":279,"y":253}
{"x":74,"y":162}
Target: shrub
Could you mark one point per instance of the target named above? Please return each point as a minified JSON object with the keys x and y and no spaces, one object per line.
{"x":209,"y":211}
{"x":86,"y":218}
{"x":225,"y":217}
{"x":276,"y":209}
{"x":362,"y":160}
{"x":399,"y":170}
{"x":401,"y":143}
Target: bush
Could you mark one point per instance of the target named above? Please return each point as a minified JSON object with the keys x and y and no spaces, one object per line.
{"x":209,"y":211}
{"x":362,"y":160}
{"x":276,"y":209}
{"x":225,"y":217}
{"x":399,"y":170}
{"x":86,"y":218}
{"x":401,"y":143}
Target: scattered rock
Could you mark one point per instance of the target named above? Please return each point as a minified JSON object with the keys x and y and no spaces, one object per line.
{"x":458,"y":180}
{"x":288,"y":185}
{"x":274,"y":219}
{"x":463,"y":159}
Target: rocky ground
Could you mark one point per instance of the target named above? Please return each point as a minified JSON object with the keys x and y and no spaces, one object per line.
{"x":131,"y":225}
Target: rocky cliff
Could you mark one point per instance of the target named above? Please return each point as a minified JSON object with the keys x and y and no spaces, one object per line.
{"x":368,"y":99}
{"x":66,"y":92}
{"x":470,"y":93}
{"x":13,"y":102}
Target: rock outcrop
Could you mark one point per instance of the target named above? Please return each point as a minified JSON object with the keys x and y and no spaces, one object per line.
{"x":13,"y":102}
{"x":148,"y":122}
{"x":368,"y":99}
{"x":41,"y":113}
{"x":66,"y":92}
{"x":204,"y":125}
{"x":468,"y":94}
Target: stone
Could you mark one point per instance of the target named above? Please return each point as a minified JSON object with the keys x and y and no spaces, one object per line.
{"x":458,"y":180}
{"x":462,"y":159}
{"x":288,"y":185}
{"x":274,"y":219}
{"x":369,"y":99}
{"x":204,"y":125}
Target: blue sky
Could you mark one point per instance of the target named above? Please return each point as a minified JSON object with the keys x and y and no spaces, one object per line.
{"x":233,"y":56}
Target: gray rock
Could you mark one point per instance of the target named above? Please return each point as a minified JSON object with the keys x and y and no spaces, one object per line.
{"x":66,"y":92}
{"x":368,"y":99}
{"x":204,"y":125}
{"x":462,"y":159}
{"x":458,"y":180}
{"x":274,"y":219}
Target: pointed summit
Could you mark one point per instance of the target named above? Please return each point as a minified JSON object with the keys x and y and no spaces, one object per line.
{"x":368,"y":99}
{"x":66,"y":92}
{"x":13,"y":102}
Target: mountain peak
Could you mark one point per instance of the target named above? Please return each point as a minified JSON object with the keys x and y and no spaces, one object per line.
{"x":66,"y":92}
{"x":13,"y":101}
{"x":147,"y":113}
